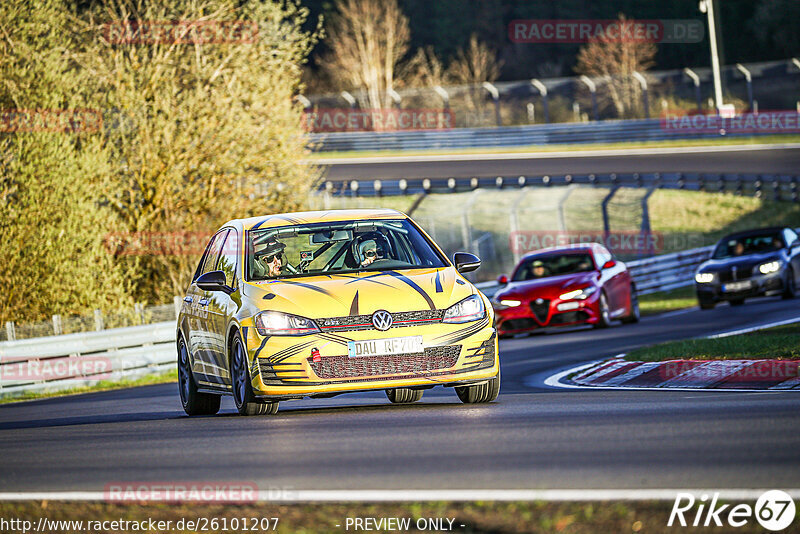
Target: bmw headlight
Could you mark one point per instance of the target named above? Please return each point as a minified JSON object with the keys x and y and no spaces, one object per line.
{"x":769,"y":268}
{"x":704,"y":278}
{"x":578,"y":294}
{"x":469,"y":309}
{"x":275,"y":323}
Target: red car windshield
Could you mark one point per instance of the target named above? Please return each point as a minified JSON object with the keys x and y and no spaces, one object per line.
{"x":553,"y":265}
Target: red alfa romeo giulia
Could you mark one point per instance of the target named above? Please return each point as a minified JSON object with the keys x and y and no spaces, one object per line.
{"x":565,"y":286}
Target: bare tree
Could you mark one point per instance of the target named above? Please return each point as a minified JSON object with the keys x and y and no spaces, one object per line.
{"x":616,"y":59}
{"x":475,"y":65}
{"x":368,"y":38}
{"x":424,"y":69}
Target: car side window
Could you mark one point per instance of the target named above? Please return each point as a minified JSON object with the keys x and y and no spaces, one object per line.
{"x":228,"y":260}
{"x":789,"y":236}
{"x":209,"y":261}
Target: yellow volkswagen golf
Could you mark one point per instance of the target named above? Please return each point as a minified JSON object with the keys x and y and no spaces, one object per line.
{"x":316,"y":304}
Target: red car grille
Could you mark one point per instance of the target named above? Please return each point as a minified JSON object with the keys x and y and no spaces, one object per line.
{"x":433,"y":359}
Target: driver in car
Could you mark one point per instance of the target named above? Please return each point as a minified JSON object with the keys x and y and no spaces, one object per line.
{"x":269,"y":259}
{"x":371,"y":248}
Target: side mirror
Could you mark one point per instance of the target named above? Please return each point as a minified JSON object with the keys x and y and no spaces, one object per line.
{"x":466,"y":262}
{"x":502,"y":279}
{"x":213,"y":281}
{"x":609,"y":264}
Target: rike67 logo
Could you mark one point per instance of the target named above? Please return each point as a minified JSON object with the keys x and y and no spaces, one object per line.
{"x":774,"y":510}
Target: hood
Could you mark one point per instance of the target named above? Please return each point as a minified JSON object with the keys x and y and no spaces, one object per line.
{"x":740,"y":262}
{"x":339,"y":295}
{"x":547,"y":287}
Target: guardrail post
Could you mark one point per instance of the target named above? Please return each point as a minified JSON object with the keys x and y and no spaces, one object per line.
{"x":604,"y":207}
{"x":11,"y":332}
{"x":57,"y":325}
{"x":496,"y":97}
{"x":593,"y":90}
{"x":98,"y":320}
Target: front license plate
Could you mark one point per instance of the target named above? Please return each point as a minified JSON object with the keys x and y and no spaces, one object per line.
{"x":385,"y":347}
{"x":736,"y":286}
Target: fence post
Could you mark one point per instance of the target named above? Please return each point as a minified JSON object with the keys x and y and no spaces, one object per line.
{"x":604,"y":206}
{"x":513,"y":223}
{"x":11,"y":332}
{"x":466,"y":231}
{"x":643,"y":83}
{"x":139,"y":310}
{"x":562,"y":220}
{"x":57,"y":325}
{"x":98,"y":320}
{"x":542,"y":91}
{"x":646,"y":230}
{"x":496,"y":97}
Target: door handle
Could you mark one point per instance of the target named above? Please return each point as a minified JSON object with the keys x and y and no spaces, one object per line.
{"x":187,"y":299}
{"x":203,"y":302}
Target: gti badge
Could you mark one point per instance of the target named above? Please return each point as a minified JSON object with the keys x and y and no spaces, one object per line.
{"x":382,"y":320}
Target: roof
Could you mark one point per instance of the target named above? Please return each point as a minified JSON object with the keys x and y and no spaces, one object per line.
{"x":755,"y":231}
{"x":567,"y":249}
{"x":310,"y":217}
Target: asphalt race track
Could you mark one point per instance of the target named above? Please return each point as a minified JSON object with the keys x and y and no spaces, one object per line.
{"x":723,"y":159}
{"x":532,"y":437}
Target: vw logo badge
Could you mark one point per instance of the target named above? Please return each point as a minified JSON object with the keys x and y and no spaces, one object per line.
{"x":382,"y":320}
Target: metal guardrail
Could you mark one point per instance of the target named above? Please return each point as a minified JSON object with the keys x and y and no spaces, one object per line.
{"x":659,"y":273}
{"x":610,"y":131}
{"x":68,"y":361}
{"x":774,"y":186}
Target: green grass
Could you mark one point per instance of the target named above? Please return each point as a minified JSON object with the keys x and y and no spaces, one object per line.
{"x":754,"y":140}
{"x":665,"y":301}
{"x":103,"y":385}
{"x":780,"y":343}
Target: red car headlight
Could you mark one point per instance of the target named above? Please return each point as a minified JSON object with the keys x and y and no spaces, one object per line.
{"x":578,"y":294}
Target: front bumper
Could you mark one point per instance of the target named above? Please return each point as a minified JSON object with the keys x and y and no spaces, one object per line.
{"x":528,"y":316}
{"x":758,"y":286}
{"x":284,"y":367}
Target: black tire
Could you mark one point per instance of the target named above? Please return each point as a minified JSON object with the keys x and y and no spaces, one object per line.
{"x":705,"y":304}
{"x":790,"y":291}
{"x":635,"y":314}
{"x":404,"y":395}
{"x":193,"y":402}
{"x":604,"y":321}
{"x":736,"y":302}
{"x":246,"y":402}
{"x":479,"y":393}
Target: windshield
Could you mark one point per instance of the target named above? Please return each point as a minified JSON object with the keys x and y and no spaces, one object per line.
{"x":751,"y":244}
{"x":338,"y":247}
{"x":553,"y":265}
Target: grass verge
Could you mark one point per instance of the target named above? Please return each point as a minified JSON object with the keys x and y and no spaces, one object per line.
{"x":489,"y":517}
{"x":721,"y":141}
{"x":780,"y":343}
{"x":103,"y":385}
{"x":665,"y":301}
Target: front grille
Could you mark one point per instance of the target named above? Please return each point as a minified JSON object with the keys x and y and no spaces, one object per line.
{"x":518,"y":324}
{"x":569,"y":317}
{"x":364,"y":322}
{"x":434,"y":358}
{"x":540,"y":310}
{"x":742,"y":273}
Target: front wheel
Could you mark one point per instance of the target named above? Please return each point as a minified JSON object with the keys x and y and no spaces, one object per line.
{"x":480,"y":393}
{"x":404,"y":395}
{"x":790,"y":291}
{"x":193,"y":402}
{"x":635,"y":314}
{"x":243,"y":397}
{"x":604,"y":320}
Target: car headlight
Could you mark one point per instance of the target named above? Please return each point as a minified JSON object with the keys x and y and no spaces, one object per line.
{"x":771,"y":267}
{"x":469,"y":309}
{"x":578,"y":294}
{"x":275,"y":323}
{"x":504,"y":304}
{"x":704,"y":278}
